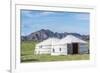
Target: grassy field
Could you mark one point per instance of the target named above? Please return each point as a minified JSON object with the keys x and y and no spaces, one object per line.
{"x":27,"y":54}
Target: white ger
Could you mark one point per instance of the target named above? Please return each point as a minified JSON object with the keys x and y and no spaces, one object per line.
{"x":68,"y":45}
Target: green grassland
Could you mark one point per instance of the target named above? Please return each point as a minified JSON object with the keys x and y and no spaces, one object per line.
{"x":27,"y":54}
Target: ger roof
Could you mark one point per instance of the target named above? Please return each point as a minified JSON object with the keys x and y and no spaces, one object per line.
{"x":49,"y":41}
{"x":71,"y":39}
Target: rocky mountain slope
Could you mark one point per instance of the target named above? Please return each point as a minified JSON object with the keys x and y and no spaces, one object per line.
{"x":45,"y":34}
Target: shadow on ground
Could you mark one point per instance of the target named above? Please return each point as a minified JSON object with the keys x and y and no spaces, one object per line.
{"x":29,"y":60}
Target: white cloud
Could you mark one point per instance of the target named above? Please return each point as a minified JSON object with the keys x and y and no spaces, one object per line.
{"x":46,"y":13}
{"x":32,"y":14}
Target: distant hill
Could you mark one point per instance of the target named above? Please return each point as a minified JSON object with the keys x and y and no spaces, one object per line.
{"x":45,"y":34}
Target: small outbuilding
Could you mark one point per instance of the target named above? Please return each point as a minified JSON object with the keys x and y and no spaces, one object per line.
{"x":45,"y":46}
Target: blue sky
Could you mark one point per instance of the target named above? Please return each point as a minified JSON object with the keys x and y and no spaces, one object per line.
{"x":32,"y":20}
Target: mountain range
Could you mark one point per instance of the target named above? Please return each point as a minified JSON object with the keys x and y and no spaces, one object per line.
{"x":45,"y":34}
